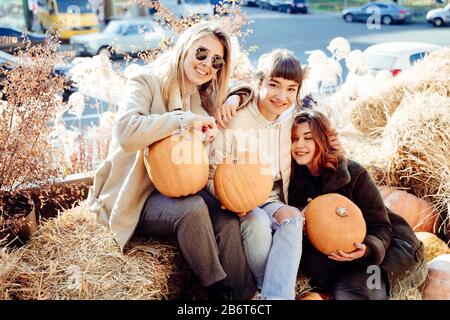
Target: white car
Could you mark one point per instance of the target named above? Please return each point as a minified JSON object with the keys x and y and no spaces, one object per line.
{"x":439,"y":17}
{"x":396,"y":56}
{"x":123,"y":36}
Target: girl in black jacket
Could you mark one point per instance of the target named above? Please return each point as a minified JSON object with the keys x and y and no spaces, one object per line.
{"x":390,"y":258}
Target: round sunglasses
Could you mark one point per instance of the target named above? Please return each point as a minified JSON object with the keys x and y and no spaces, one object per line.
{"x":217,"y":62}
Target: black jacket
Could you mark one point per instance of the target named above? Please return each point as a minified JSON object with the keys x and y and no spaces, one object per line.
{"x":390,"y":241}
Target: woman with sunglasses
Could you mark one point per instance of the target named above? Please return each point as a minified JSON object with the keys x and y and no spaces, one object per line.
{"x":176,"y":91}
{"x":390,"y":258}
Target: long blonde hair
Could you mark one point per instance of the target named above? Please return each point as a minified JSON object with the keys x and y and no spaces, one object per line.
{"x":170,"y":66}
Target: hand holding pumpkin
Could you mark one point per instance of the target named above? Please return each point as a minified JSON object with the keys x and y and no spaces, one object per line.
{"x":340,"y":255}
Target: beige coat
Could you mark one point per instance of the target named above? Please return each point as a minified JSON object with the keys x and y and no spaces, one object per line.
{"x":121,"y":183}
{"x":249,"y":125}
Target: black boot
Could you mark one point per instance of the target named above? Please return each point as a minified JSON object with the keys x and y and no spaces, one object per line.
{"x":219,"y":292}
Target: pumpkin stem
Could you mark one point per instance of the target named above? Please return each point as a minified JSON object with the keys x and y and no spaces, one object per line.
{"x":341,"y":212}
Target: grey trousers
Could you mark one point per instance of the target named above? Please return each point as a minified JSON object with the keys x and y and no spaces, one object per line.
{"x":209,"y":239}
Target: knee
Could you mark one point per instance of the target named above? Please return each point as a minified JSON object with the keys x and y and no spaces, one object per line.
{"x":288,"y":213}
{"x":257,"y":228}
{"x":227,"y":224}
{"x":196,"y":209}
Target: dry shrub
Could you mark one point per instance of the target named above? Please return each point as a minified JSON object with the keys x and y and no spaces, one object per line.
{"x":74,"y":257}
{"x":34,"y":99}
{"x":370,"y":114}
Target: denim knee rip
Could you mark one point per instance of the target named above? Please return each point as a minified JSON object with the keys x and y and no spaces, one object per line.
{"x":297,"y":219}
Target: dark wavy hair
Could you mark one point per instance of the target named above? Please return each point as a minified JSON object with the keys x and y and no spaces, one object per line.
{"x":326,"y":158}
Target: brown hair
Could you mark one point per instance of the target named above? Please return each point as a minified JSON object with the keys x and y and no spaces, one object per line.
{"x":326,"y":157}
{"x":280,"y":63}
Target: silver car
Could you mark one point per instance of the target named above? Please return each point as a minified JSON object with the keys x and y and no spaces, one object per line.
{"x":388,"y":12}
{"x":121,"y":36}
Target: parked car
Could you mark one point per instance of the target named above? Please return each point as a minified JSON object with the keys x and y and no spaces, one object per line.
{"x":250,"y":3}
{"x":396,"y":56}
{"x":439,"y":17}
{"x":123,"y":36}
{"x":389,"y":12}
{"x":184,"y":8}
{"x":12,"y":38}
{"x":294,"y":6}
{"x":270,"y":4}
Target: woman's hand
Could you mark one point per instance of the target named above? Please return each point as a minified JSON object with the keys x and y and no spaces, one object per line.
{"x":227,"y":111}
{"x":340,"y":255}
{"x":207,"y":125}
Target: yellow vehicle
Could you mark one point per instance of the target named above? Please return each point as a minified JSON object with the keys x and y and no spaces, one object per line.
{"x":68,"y":17}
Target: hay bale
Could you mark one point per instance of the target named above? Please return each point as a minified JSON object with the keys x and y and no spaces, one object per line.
{"x":74,"y":257}
{"x":433,"y":245}
{"x":371,"y":113}
{"x":411,"y":294}
{"x":414,"y":154}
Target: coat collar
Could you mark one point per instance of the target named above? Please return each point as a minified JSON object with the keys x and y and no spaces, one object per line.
{"x":176,"y":103}
{"x":334,"y":181}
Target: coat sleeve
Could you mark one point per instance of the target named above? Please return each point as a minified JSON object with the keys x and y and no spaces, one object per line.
{"x":379,"y":230}
{"x":136,"y":127}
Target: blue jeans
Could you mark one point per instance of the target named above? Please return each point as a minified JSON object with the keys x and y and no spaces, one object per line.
{"x":273,"y":251}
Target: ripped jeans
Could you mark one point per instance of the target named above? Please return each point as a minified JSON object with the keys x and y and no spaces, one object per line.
{"x":273,"y":250}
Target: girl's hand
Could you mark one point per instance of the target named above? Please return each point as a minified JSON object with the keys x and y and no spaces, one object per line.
{"x":340,"y":255}
{"x":207,"y":125}
{"x":304,"y":220}
{"x":227,"y":111}
{"x":335,"y":142}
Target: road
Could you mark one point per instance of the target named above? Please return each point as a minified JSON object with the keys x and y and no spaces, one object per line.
{"x":301,"y":33}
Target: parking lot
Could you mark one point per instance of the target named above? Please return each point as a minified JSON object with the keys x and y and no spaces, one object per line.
{"x":301,"y":33}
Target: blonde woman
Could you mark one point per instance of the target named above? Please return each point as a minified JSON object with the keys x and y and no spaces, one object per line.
{"x":175,"y":91}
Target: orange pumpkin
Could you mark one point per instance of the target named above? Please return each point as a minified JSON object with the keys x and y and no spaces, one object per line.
{"x":178,"y":165}
{"x":242,"y":182}
{"x":419,"y":213}
{"x":334,"y":222}
{"x":313,"y":296}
